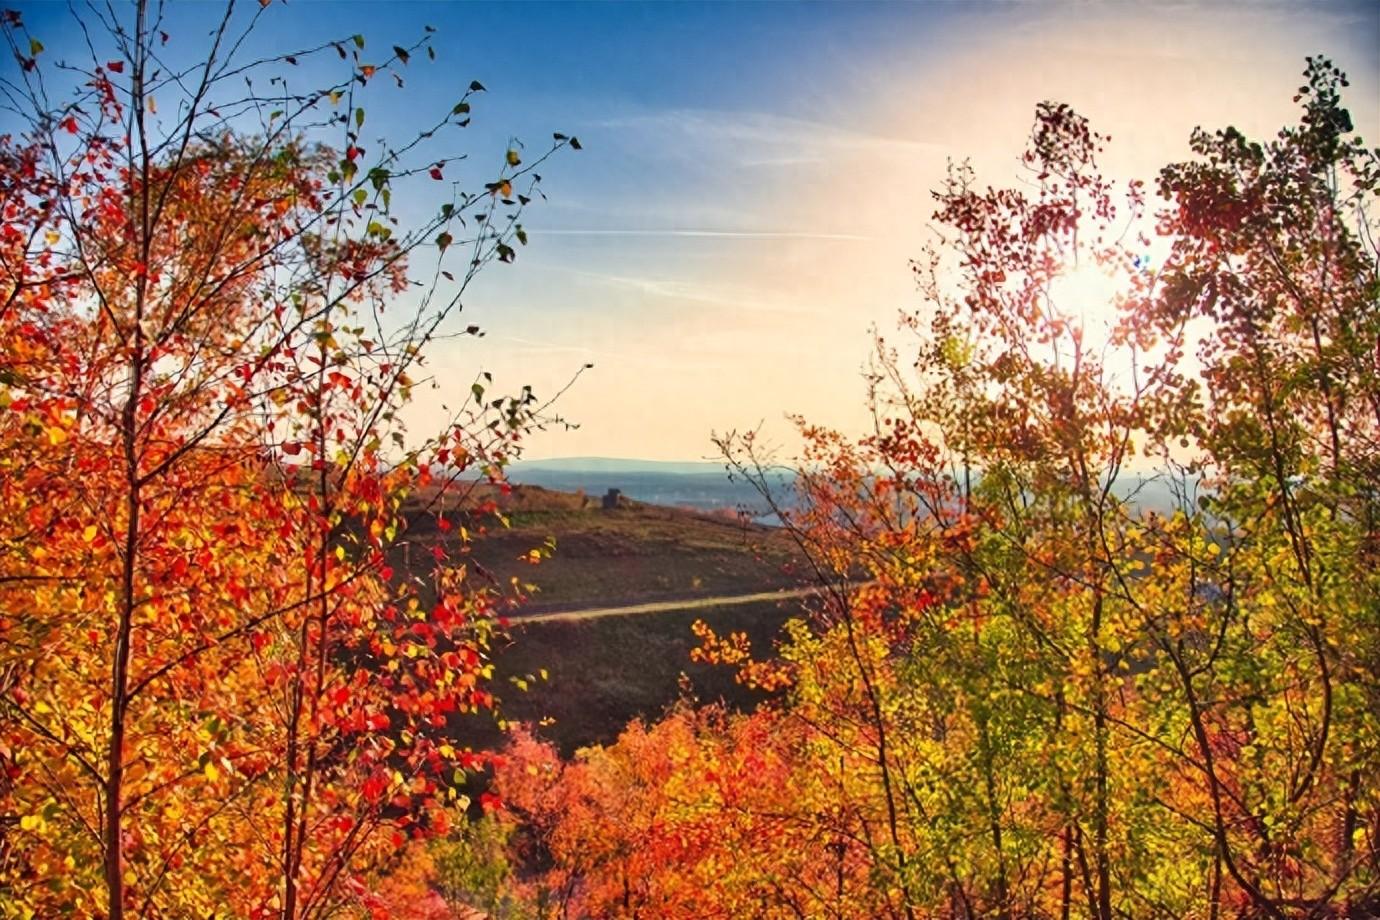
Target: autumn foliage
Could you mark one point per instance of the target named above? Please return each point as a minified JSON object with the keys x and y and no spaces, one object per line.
{"x":1100,"y":630}
{"x":1096,"y":633}
{"x":217,"y":697}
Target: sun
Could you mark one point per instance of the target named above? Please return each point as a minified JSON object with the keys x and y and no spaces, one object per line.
{"x":1086,"y":292}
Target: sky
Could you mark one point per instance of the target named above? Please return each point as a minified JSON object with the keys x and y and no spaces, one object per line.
{"x":755,"y":177}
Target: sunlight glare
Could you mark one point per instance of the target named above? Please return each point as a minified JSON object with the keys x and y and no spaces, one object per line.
{"x":1086,"y":292}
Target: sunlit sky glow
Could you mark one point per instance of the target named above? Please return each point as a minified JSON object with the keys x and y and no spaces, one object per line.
{"x":755,"y":178}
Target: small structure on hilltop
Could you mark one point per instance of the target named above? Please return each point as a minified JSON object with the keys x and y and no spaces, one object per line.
{"x":611,"y":499}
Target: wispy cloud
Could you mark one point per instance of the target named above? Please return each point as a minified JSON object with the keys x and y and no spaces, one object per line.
{"x":592,"y":355}
{"x":735,"y":297}
{"x":710,"y":234}
{"x":762,"y":138}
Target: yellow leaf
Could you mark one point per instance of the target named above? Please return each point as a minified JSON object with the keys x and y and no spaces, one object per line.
{"x":56,"y":435}
{"x":89,"y":533}
{"x":212,"y":773}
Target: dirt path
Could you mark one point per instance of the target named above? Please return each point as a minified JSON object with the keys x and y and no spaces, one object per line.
{"x":595,"y":613}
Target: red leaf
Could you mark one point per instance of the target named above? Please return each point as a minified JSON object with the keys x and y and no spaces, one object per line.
{"x":436,"y":173}
{"x":115,"y":66}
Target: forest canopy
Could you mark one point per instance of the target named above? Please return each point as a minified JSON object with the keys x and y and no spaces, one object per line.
{"x":228,"y":687}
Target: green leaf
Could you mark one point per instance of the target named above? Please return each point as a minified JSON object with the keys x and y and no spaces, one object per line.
{"x":444,"y":240}
{"x":512,"y":157}
{"x":359,"y":42}
{"x":460,"y":108}
{"x":476,"y":86}
{"x":35,"y":47}
{"x":359,"y":118}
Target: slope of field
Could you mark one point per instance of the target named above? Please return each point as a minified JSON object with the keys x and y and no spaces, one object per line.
{"x":634,"y":553}
{"x":604,"y":671}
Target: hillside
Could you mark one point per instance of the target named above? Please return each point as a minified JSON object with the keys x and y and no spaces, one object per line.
{"x":603,"y":672}
{"x":633,"y":553}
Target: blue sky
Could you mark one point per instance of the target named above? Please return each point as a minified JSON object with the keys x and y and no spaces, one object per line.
{"x":755,"y":176}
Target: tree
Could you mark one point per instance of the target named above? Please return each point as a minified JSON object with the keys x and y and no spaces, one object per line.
{"x":1099,"y":629}
{"x":217,"y":696}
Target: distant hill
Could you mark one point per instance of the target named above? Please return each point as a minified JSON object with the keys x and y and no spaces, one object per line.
{"x":619,"y":465}
{"x":702,"y":485}
{"x":707,"y":486}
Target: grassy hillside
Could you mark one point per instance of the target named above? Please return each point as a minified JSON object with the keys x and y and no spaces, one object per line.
{"x":602,"y":673}
{"x":629,"y":554}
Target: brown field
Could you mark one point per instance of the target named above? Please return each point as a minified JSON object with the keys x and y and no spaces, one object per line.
{"x":603,"y":672}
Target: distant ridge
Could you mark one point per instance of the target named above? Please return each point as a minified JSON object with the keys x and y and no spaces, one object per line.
{"x":619,"y":465}
{"x":702,"y":485}
{"x":707,"y":485}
